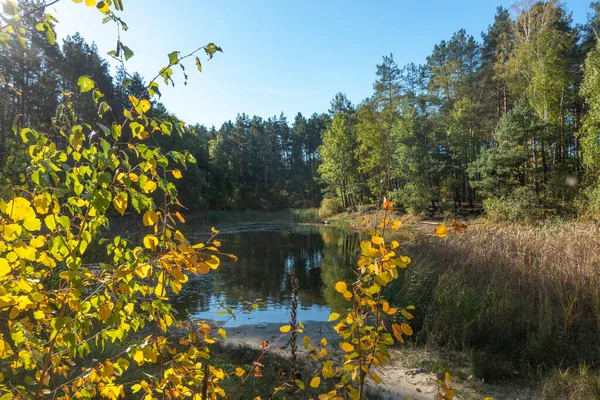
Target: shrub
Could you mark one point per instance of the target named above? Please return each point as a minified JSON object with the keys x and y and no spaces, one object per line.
{"x":413,"y":197}
{"x":329,"y":207}
{"x":521,"y":205}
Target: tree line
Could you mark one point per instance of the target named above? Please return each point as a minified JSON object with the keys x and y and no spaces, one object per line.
{"x":250,"y":162}
{"x":510,"y":121}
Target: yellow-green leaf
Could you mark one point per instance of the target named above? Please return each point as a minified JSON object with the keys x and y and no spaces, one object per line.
{"x":85,"y":83}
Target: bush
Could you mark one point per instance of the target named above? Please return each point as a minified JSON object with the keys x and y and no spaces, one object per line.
{"x":521,"y":205}
{"x":330,"y":206}
{"x":588,"y":203}
{"x":414,"y":198}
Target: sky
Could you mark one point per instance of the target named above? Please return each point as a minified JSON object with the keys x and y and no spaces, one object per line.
{"x":279,"y":55}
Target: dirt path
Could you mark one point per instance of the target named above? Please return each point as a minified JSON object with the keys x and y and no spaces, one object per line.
{"x":398,"y":382}
{"x":401,"y":379}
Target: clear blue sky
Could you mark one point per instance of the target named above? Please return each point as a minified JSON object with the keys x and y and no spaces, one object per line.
{"x":280,"y":55}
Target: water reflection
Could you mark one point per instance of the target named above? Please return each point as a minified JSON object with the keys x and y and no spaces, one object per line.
{"x":320,"y":256}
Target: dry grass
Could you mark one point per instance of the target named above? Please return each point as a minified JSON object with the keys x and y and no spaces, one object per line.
{"x":525,"y":297}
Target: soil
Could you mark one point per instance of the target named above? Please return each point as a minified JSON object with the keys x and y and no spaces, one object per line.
{"x":411,"y":374}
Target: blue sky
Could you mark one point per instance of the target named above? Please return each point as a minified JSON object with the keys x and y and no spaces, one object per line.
{"x":280,"y":55}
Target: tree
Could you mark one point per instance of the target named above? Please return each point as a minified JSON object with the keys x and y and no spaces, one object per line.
{"x":339,"y":166}
{"x":499,"y":170}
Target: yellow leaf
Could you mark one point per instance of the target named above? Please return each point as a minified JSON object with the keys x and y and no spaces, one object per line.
{"x":150,"y":218}
{"x":347,"y":295}
{"x":180,"y":217}
{"x":385,"y":306}
{"x":144,"y":271}
{"x":90,"y":3}
{"x":138,"y":357}
{"x":315,"y":382}
{"x":144,"y":105}
{"x":396,"y":225}
{"x":19,"y":209}
{"x":176,"y":174}
{"x":285,"y":328}
{"x":239,"y":372}
{"x":150,"y":242}
{"x":120,"y":203}
{"x":37,"y":241}
{"x":133,"y":177}
{"x":341,"y":287}
{"x":149,"y":187}
{"x":41,"y":204}
{"x":222,"y":333}
{"x":4,"y":267}
{"x":333,"y":316}
{"x":31,"y":223}
{"x":377,"y":240}
{"x":347,"y":347}
{"x":442,"y":231}
{"x":4,"y":347}
{"x":11,"y":231}
{"x":406,"y":314}
{"x":406,"y":329}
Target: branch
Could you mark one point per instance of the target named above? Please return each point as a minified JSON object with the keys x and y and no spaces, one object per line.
{"x":28,"y":13}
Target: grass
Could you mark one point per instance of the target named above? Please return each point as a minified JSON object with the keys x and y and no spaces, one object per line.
{"x":519,"y":298}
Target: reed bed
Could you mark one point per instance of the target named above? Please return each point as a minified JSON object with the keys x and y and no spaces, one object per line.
{"x":519,"y":298}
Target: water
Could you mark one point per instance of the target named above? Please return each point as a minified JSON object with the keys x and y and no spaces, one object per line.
{"x":267,"y":253}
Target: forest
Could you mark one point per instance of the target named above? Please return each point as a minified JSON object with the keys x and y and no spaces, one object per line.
{"x":508,"y":121}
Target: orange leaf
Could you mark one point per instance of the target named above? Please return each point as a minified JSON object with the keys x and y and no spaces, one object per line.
{"x":397,"y":332}
{"x":388,"y":205}
{"x":458,"y":227}
{"x":406,"y":329}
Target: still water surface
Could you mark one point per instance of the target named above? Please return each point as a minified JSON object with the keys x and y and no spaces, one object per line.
{"x":319,"y":255}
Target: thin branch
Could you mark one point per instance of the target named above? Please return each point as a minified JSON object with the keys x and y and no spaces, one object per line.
{"x":28,"y":13}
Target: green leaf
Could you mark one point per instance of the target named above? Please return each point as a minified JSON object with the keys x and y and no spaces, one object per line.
{"x":127,"y":52}
{"x":198,"y":64}
{"x":211,"y":49}
{"x":174,"y":57}
{"x":85,"y":84}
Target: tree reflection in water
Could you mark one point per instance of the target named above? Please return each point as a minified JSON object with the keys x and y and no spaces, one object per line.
{"x":320,"y":256}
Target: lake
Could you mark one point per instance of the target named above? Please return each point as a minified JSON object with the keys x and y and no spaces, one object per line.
{"x":267,"y":253}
